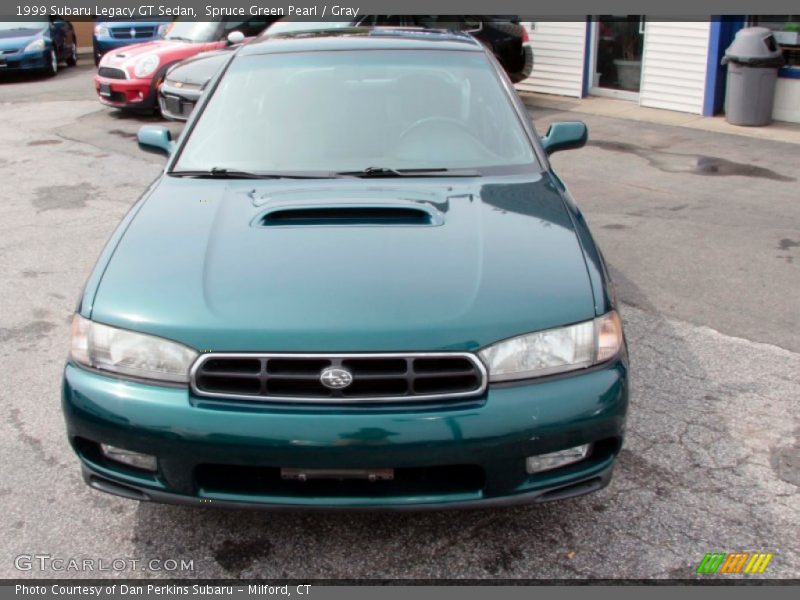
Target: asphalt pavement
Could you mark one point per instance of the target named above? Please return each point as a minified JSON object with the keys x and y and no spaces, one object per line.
{"x":702,"y":234}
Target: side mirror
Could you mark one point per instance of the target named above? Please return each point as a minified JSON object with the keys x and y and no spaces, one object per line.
{"x":235,"y":37}
{"x":565,"y":135}
{"x":153,"y":138}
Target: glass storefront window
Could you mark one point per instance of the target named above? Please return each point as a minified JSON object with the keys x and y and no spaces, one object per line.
{"x":619,"y":51}
{"x":787,"y":34}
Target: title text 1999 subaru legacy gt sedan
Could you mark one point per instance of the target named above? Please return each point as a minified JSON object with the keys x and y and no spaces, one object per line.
{"x":357,"y":284}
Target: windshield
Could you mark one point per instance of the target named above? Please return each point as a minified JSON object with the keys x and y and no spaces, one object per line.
{"x":23,"y":26}
{"x":351,"y":110}
{"x":194,"y":31}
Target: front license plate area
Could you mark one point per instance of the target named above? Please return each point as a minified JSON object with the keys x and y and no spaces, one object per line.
{"x":105,"y":89}
{"x":173,"y":104}
{"x":368,"y":474}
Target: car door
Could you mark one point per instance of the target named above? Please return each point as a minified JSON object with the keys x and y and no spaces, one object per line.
{"x":58,"y":33}
{"x":71,"y":37}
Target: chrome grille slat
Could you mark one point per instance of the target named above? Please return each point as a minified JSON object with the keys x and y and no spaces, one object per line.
{"x":124,"y":33}
{"x":377,"y":378}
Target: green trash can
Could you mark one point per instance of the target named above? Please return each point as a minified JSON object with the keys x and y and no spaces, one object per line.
{"x":753,"y":61}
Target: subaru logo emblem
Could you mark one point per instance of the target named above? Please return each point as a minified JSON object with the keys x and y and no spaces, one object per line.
{"x":335,"y":378}
{"x":133,"y":32}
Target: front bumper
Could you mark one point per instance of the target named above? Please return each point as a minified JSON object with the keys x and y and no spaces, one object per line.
{"x":492,"y":435}
{"x":527,"y":65}
{"x":175,"y":103}
{"x":126,"y":93}
{"x":25,"y":61}
{"x":527,"y":69}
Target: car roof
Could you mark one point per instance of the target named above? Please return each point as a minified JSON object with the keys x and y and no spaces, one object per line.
{"x":362,"y":38}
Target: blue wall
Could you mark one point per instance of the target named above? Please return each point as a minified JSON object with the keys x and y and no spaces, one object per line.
{"x":587,"y":59}
{"x":723,"y":30}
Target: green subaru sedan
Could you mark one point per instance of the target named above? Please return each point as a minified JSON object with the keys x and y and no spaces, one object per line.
{"x":358,"y":284}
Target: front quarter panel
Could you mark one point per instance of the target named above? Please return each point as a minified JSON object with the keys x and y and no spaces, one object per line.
{"x":602,"y":288}
{"x":90,"y":289}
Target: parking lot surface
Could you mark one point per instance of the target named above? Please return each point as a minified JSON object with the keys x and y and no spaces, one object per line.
{"x":702,"y":234}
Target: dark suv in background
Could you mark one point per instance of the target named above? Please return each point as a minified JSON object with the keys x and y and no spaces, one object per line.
{"x":502,"y":34}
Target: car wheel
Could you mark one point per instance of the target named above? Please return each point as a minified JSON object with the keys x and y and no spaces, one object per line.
{"x":73,"y":56}
{"x":52,"y":67}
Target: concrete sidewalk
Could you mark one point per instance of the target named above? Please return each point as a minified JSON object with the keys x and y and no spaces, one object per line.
{"x":777,"y":131}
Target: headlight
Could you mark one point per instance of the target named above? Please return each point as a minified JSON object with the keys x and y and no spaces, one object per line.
{"x":129,"y":353}
{"x":37,"y":44}
{"x":555,"y":350}
{"x":146,"y":65}
{"x":163,"y":29}
{"x":101,"y":31}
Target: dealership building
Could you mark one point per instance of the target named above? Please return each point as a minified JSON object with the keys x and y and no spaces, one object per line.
{"x":673,"y":65}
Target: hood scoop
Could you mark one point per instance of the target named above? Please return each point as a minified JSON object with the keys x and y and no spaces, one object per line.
{"x":350,"y":215}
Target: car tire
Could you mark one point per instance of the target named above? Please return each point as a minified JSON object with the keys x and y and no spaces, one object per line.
{"x":73,"y":56}
{"x":52,"y":67}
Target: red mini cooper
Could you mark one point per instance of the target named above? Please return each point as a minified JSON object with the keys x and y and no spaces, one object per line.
{"x":129,"y":77}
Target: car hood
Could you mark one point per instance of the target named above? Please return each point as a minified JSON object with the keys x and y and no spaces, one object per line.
{"x":498,"y":258}
{"x":171,"y":49}
{"x":200,"y":69}
{"x":129,"y":24}
{"x":16,"y":40}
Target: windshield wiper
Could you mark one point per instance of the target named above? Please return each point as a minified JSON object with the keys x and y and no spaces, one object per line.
{"x":222,"y":173}
{"x":379,"y":172}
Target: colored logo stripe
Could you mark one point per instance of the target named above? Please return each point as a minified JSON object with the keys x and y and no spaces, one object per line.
{"x":710,"y":563}
{"x":734,"y":562}
{"x":717,"y":561}
{"x":758,"y":563}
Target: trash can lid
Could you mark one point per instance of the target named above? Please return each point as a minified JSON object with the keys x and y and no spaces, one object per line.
{"x":755,"y":46}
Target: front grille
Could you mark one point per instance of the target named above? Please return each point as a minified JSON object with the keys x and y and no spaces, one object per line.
{"x":375,"y":377}
{"x":112,"y":73}
{"x":131,"y":33}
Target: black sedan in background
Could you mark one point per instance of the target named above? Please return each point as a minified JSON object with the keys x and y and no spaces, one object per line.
{"x":508,"y":40}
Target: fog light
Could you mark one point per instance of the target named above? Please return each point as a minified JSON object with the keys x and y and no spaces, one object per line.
{"x":553,"y":460}
{"x":146,"y":462}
